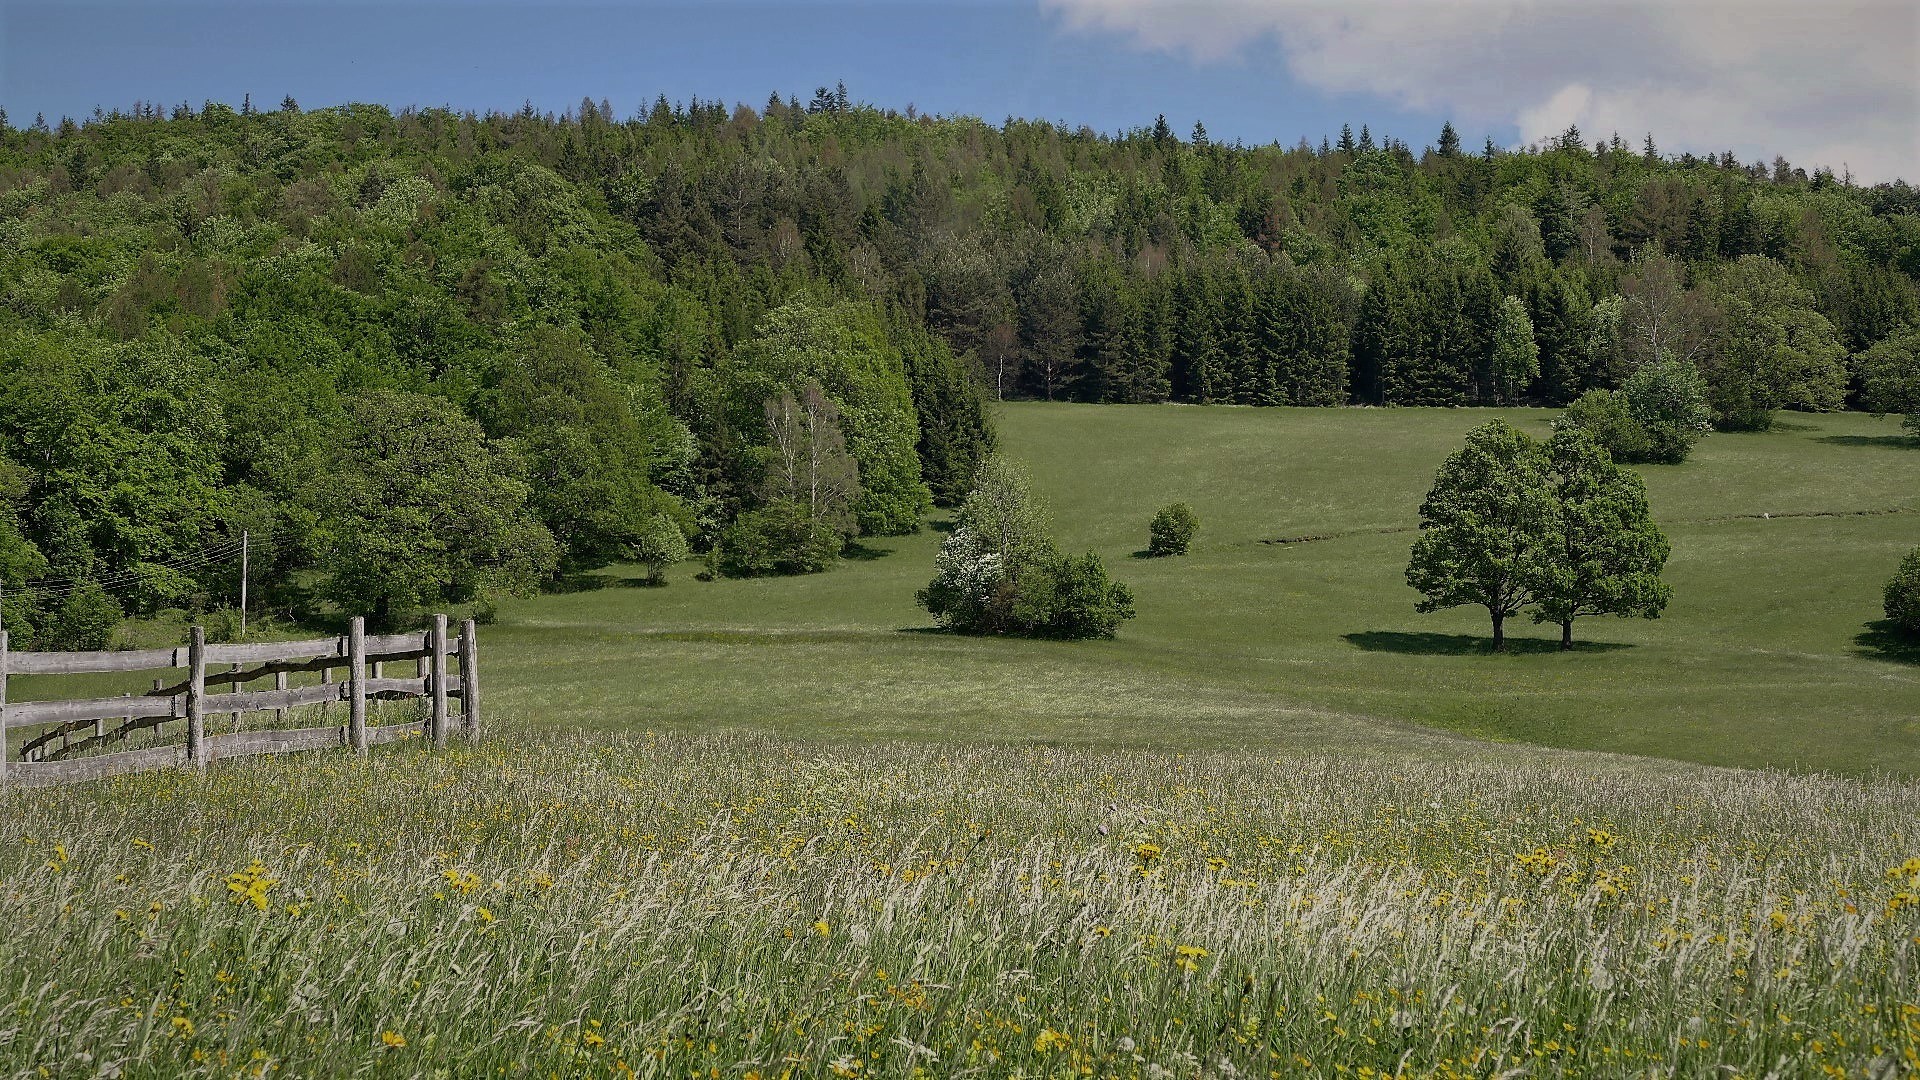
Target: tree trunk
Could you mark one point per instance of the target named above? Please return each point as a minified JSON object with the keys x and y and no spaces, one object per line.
{"x":1499,"y":632}
{"x":1566,"y":635}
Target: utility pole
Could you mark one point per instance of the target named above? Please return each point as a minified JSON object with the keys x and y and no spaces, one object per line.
{"x":243,"y":584}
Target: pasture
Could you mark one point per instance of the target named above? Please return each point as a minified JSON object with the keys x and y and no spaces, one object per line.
{"x":1769,"y":655}
{"x":1283,"y":826}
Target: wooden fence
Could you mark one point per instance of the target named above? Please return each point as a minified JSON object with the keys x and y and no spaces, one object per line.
{"x":70,"y":728}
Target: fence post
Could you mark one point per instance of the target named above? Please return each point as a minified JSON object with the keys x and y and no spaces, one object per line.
{"x":6,"y":750}
{"x":470,"y":681}
{"x":196,"y":691}
{"x":437,"y":664}
{"x":280,"y":683}
{"x":357,"y":684}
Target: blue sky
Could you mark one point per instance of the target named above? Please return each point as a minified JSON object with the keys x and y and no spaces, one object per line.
{"x":1833,"y":83}
{"x":987,"y":59}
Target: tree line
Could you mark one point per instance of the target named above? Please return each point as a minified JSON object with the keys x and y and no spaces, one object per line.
{"x":431,"y":356}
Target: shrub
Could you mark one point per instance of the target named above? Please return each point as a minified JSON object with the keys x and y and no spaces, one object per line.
{"x":1071,"y":597}
{"x":779,"y":538}
{"x":659,"y":544}
{"x":1604,"y":415}
{"x":87,"y":620}
{"x":999,"y":573}
{"x":222,"y":624}
{"x":966,"y":593}
{"x":1903,"y":594}
{"x":1669,"y":402}
{"x":1172,"y":530}
{"x":1656,"y":416}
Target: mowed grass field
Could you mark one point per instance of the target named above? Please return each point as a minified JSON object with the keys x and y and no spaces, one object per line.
{"x":1291,"y":624}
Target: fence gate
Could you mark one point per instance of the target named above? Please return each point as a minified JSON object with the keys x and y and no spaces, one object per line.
{"x":68,"y":732}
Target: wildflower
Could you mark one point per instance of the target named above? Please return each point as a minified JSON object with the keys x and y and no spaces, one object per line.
{"x":1049,"y":1040}
{"x":1538,"y":862}
{"x":183,"y":1027}
{"x":393,"y":1040}
{"x":1601,"y":838}
{"x":485,"y":915}
{"x":844,"y":1066}
{"x":1187,"y":957}
{"x":1147,"y":853}
{"x":250,"y":886}
{"x":823,"y":929}
{"x":464,"y":881}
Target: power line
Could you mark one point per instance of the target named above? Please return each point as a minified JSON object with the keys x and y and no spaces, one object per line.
{"x":225,"y":551}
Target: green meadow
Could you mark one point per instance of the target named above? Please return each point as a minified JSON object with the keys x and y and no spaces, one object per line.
{"x":1290,"y":624}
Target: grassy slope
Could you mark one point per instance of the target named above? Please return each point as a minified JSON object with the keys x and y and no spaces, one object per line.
{"x":1766,"y":656}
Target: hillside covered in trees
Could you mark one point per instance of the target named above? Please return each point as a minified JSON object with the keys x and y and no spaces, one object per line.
{"x":425,"y":355}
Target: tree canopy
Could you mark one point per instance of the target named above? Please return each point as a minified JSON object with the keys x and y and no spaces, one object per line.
{"x":192,"y":299}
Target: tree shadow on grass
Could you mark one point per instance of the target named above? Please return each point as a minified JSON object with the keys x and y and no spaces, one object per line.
{"x":579,"y":582}
{"x":1887,"y":441}
{"x":1425,"y":644}
{"x":1882,"y":640}
{"x":855,"y":551}
{"x":642,"y":582}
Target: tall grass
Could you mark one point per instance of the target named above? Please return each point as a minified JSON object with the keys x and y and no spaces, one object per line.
{"x":557,"y":903}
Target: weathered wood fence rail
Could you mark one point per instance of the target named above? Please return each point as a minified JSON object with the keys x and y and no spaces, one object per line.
{"x":77,"y":726}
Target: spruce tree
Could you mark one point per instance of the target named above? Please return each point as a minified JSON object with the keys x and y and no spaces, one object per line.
{"x":1449,"y":140}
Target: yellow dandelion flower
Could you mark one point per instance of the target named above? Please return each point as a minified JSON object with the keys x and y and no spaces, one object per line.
{"x":393,"y":1039}
{"x":1049,"y":1040}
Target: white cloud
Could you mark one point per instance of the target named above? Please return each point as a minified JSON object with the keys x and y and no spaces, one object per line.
{"x":1825,"y":82}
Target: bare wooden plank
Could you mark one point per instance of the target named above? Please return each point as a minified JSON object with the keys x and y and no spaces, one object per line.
{"x":468,"y":686}
{"x":270,"y":651}
{"x":392,"y":733}
{"x":262,"y":700}
{"x":385,"y":645}
{"x":92,"y":768}
{"x":437,"y":681}
{"x":196,"y":690}
{"x":323,"y":664}
{"x":397,"y":686}
{"x":247,"y":743}
{"x":23,"y":713}
{"x":119,"y":734}
{"x":357,"y":685}
{"x":79,"y":663}
{"x":6,"y":662}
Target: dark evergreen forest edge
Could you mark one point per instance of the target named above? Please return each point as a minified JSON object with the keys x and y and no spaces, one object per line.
{"x":427,"y":357}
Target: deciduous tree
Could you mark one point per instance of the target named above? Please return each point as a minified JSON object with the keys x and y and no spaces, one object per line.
{"x":1602,"y":554}
{"x":1484,"y":527}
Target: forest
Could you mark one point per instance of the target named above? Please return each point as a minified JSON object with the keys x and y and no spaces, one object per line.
{"x":428,"y":357}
